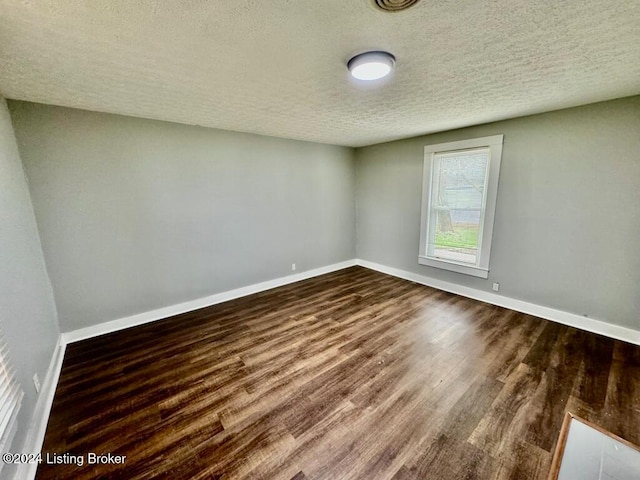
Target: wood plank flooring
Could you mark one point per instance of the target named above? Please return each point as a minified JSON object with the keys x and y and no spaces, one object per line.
{"x":351,"y":375}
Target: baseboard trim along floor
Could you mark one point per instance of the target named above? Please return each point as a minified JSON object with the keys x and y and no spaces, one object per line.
{"x":160,"y":313}
{"x":38,"y":426}
{"x":286,"y":382}
{"x":589,"y":324}
{"x":571,"y":319}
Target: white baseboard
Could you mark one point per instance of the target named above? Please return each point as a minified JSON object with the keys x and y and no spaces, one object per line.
{"x":38,"y":426}
{"x":159,"y":314}
{"x":571,"y":319}
{"x":566,"y":318}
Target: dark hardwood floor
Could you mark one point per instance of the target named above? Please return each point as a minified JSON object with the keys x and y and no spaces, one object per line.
{"x":353,"y":374}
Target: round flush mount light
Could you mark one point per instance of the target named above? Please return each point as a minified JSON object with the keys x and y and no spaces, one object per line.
{"x":371,"y":65}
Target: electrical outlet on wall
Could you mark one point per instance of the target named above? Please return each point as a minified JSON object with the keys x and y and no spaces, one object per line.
{"x":36,"y":382}
{"x":496,"y":287}
{"x":293,"y":267}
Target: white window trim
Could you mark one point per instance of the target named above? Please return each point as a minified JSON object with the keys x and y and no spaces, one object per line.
{"x":494,"y":143}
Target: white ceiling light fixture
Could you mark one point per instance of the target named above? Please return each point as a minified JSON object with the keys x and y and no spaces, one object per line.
{"x":371,"y":65}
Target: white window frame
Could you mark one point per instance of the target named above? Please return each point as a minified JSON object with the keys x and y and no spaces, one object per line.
{"x":485,"y":235}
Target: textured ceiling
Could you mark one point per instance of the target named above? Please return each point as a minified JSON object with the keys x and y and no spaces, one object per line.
{"x":277,"y":67}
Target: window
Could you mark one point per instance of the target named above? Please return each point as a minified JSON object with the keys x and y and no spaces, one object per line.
{"x":459,"y":190}
{"x":10,"y":399}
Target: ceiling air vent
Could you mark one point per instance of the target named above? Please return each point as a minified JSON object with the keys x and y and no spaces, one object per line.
{"x":393,"y":5}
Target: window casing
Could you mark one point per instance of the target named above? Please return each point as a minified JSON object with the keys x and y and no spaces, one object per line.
{"x":459,"y":193}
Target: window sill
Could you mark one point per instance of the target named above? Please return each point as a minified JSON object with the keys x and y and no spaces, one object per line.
{"x":454,"y":267}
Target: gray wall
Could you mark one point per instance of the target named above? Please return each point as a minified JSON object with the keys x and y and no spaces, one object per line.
{"x":138,"y":214}
{"x":27,"y":310}
{"x":567,"y":228}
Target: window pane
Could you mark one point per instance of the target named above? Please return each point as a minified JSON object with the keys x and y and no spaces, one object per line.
{"x":457,"y":203}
